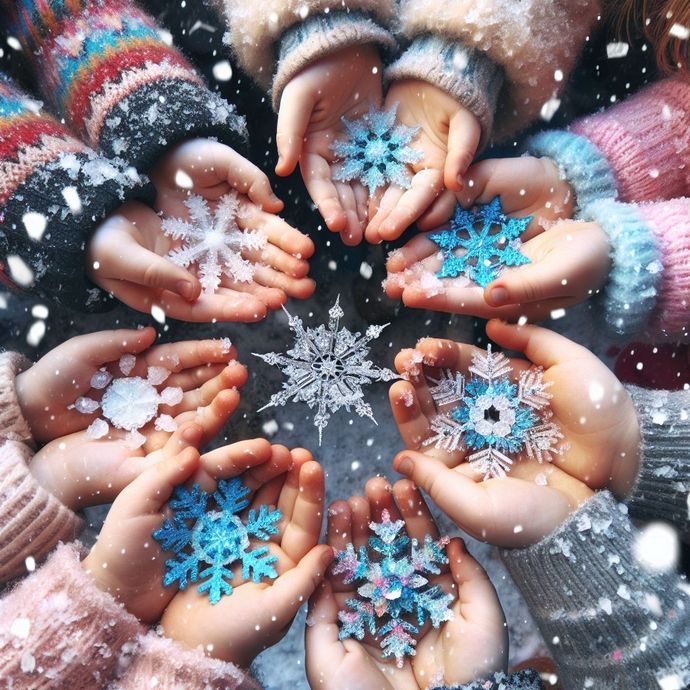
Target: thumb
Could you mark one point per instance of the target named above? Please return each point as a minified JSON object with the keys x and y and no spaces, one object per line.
{"x":293,"y":119}
{"x":464,"y":134}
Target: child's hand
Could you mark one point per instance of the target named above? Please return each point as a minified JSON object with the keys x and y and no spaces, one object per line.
{"x":45,"y":391}
{"x":569,"y":263}
{"x":342,"y":84}
{"x":448,"y":139}
{"x":126,"y":561}
{"x":594,"y":412}
{"x":256,"y":616}
{"x":474,"y":643}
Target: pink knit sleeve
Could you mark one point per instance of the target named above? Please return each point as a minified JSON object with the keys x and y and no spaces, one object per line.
{"x":164,"y":664}
{"x":12,"y":422}
{"x":58,"y":630}
{"x":646,"y":140}
{"x":669,"y":221}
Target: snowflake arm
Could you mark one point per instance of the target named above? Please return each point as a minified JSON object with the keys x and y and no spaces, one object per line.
{"x":446,"y":434}
{"x":231,"y":495}
{"x":263,"y":525}
{"x":356,"y":622}
{"x":183,"y":570}
{"x":351,"y":564}
{"x":255,"y":565}
{"x":398,"y":640}
{"x":189,"y":504}
{"x":174,"y":535}
{"x":215,"y":582}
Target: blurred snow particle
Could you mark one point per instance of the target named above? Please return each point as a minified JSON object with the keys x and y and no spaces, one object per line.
{"x":226,"y":345}
{"x":30,"y":563}
{"x":158,"y":313}
{"x":605,"y":605}
{"x":20,"y":628}
{"x":27,"y":662}
{"x":517,"y":529}
{"x":165,"y":36}
{"x":680,"y":31}
{"x":35,"y":224}
{"x":332,"y":265}
{"x":14,"y":43}
{"x":183,"y":180}
{"x":548,"y":110}
{"x":365,"y":270}
{"x":617,"y":49}
{"x":39,"y":311}
{"x":558,"y":75}
{"x":541,"y":480}
{"x":36,"y":333}
{"x":19,"y":271}
{"x":557,"y":314}
{"x":270,"y":428}
{"x":672,"y":682}
{"x":304,"y":12}
{"x":596,"y":391}
{"x":656,"y":547}
{"x":222,"y":71}
{"x":71,"y":197}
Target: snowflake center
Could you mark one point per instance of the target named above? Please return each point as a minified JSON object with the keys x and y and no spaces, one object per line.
{"x":377,"y":150}
{"x":215,"y":239}
{"x":492,"y":414}
{"x":219,"y":537}
{"x":328,"y":367}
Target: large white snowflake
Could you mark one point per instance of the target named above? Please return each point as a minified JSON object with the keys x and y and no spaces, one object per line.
{"x":326,"y":368}
{"x":213,"y":243}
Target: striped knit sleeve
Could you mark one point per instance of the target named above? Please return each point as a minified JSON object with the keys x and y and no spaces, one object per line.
{"x":53,"y":191}
{"x":105,"y":67}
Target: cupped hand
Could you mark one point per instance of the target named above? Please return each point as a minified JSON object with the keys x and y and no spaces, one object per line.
{"x":448,"y":139}
{"x":568,"y":264}
{"x":255,"y":616}
{"x":469,"y":646}
{"x":346,"y":84}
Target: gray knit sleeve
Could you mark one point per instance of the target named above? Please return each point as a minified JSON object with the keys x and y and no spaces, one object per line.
{"x":520,"y":680}
{"x":662,"y":490}
{"x":608,"y":621}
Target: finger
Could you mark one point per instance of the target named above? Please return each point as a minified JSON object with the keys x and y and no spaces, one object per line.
{"x":268,"y":494}
{"x":212,"y":418}
{"x":316,"y":173}
{"x":248,"y":179}
{"x":193,"y":378}
{"x":293,"y":119}
{"x":339,"y":528}
{"x":360,"y":517}
{"x":189,"y":354}
{"x":298,"y":288}
{"x":380,"y":208}
{"x":324,"y":651}
{"x":352,"y":233}
{"x":108,"y":346}
{"x":236,"y":458}
{"x":412,"y":424}
{"x":464,"y":133}
{"x":270,"y":297}
{"x":233,"y":376}
{"x":472,"y":581}
{"x":379,"y":493}
{"x":439,"y":212}
{"x":420,"y":247}
{"x":418,"y":519}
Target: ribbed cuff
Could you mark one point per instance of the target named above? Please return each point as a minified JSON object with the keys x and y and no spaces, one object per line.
{"x":32,"y":520}
{"x":162,"y":663}
{"x":13,"y":425}
{"x":70,"y":195}
{"x":465,"y":73}
{"x":609,"y":623}
{"x":321,"y":35}
{"x":521,"y":680}
{"x":662,"y":490}
{"x":144,"y":125}
{"x":581,"y":163}
{"x":629,"y":297}
{"x":57,"y":629}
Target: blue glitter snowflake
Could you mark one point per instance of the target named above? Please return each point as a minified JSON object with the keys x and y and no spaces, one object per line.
{"x":376,"y":151}
{"x":485,"y":251}
{"x":395,"y":599}
{"x":206,"y":542}
{"x":493,"y":416}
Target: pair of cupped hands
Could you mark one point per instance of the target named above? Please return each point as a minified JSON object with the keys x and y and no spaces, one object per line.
{"x":594,"y":412}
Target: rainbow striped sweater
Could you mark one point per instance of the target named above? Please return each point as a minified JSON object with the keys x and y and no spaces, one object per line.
{"x":119,"y":97}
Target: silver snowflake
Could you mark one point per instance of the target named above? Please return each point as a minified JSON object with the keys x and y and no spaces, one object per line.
{"x":327,"y":368}
{"x":215,"y":242}
{"x":493,"y":416}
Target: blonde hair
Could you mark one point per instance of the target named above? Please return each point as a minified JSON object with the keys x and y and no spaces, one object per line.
{"x":664,"y":23}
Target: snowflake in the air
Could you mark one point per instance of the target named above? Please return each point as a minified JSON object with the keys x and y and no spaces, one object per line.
{"x":327,"y":368}
{"x":207,"y":542}
{"x":486,"y":250}
{"x":395,"y":599}
{"x":376,"y":151}
{"x":129,"y":402}
{"x":213,"y":243}
{"x":493,"y":416}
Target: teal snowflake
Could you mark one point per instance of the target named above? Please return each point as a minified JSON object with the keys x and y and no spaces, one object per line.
{"x":206,"y":542}
{"x":493,"y":416}
{"x":395,"y":599}
{"x":376,"y":151}
{"x":485,"y":250}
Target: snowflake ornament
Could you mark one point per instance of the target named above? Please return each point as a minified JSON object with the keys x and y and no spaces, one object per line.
{"x":376,"y":151}
{"x":493,"y":416}
{"x":213,"y":243}
{"x":130,"y":402}
{"x":395,"y":599}
{"x":487,"y":249}
{"x":207,"y":542}
{"x":327,"y":368}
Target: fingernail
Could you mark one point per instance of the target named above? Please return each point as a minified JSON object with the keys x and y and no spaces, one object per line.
{"x":185,"y":289}
{"x":461,"y":182}
{"x":498,"y":297}
{"x":405,"y":465}
{"x":327,"y":557}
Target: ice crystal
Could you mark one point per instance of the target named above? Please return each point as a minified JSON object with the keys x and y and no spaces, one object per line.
{"x":395,"y":598}
{"x":376,"y":151}
{"x":206,"y":542}
{"x":327,"y":368}
{"x":215,"y":242}
{"x":493,"y":416}
{"x":481,"y":253}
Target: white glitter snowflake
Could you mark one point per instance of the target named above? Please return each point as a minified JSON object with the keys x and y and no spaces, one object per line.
{"x":327,"y":368}
{"x":493,"y":416}
{"x":130,"y":402}
{"x":213,"y":243}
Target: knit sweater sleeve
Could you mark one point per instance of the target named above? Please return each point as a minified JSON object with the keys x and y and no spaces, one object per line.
{"x":520,"y":680}
{"x":275,"y":39}
{"x":164,"y":664}
{"x":105,"y":68}
{"x":609,"y":621}
{"x":663,"y":485}
{"x":513,"y":53}
{"x":58,"y":630}
{"x":53,"y":191}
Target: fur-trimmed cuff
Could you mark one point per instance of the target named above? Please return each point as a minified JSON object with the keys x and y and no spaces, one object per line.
{"x":465,"y":73}
{"x":321,"y":35}
{"x":13,"y":425}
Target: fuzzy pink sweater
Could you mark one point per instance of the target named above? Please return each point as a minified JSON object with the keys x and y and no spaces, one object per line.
{"x":57,"y":629}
